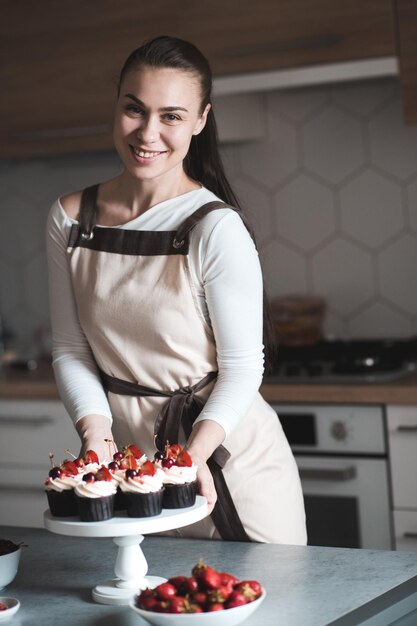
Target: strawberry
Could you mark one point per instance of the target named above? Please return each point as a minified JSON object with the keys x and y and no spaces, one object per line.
{"x":147,"y":469}
{"x":207,"y":577}
{"x":128,"y":462}
{"x":3,"y":607}
{"x":79,"y":462}
{"x":180,"y":584}
{"x":199,"y":597}
{"x":149,"y":604}
{"x":135,"y":451}
{"x":226,"y":578}
{"x":69,"y":468}
{"x":103,"y":474}
{"x":195,"y":608}
{"x":178,"y":604}
{"x":173,"y":451}
{"x":183,"y":459}
{"x":91,"y":457}
{"x":250,"y":589}
{"x":235,"y":599}
{"x":221,"y":594}
{"x":165,"y":591}
{"x":192,"y":584}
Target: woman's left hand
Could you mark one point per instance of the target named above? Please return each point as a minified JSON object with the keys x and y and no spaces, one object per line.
{"x":205,"y":482}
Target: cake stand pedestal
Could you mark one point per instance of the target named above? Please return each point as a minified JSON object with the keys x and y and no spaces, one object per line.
{"x":131,"y":566}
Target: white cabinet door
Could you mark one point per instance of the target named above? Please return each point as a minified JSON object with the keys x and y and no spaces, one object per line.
{"x":402,"y":437}
{"x":29,"y":430}
{"x":405,"y":523}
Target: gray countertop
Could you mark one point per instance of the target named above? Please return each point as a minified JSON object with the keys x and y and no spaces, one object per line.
{"x":306,"y":586}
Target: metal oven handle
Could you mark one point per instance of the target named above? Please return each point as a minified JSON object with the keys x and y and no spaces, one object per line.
{"x":410,"y":535}
{"x":404,"y":428}
{"x":321,"y":473}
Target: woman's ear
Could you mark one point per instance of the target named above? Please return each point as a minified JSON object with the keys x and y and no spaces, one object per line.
{"x":202,"y":120}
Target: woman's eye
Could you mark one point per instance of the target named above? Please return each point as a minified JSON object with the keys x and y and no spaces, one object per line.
{"x":134,"y":108}
{"x":171,"y":117}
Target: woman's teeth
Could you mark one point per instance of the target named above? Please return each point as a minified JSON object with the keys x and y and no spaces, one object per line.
{"x":146,"y":155}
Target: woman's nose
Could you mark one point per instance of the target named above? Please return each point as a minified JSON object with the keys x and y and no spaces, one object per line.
{"x":148,"y":130}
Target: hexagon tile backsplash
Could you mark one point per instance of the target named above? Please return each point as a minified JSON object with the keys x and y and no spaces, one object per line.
{"x":331,"y":192}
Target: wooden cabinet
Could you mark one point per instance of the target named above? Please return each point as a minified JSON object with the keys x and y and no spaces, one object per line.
{"x":406,"y":41}
{"x":402,"y":438}
{"x":63,"y":58}
{"x":29,"y":430}
{"x":243,"y":36}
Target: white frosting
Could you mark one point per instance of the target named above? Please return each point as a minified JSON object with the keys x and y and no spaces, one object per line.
{"x":180,"y":475}
{"x":96,"y":489}
{"x":90,"y":467}
{"x":65,"y":483}
{"x":142,"y":484}
{"x":118,"y":475}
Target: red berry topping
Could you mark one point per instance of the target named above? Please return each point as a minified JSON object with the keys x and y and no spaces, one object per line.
{"x":91,"y":457}
{"x":135,"y":451}
{"x":69,"y":468}
{"x":165,"y":591}
{"x":113,"y":466}
{"x":159,"y":456}
{"x":183,"y":459}
{"x":103,"y":474}
{"x":147,"y":469}
{"x":3,"y":607}
{"x":167,"y":463}
{"x":173,"y":450}
{"x":118,"y":456}
{"x":55,"y":472}
{"x":131,"y":473}
{"x":79,"y":462}
{"x":89,"y":477}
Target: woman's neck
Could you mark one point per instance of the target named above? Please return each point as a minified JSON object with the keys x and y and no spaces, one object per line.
{"x":123,"y":198}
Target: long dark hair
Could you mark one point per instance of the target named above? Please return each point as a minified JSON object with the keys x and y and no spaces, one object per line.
{"x":203,"y":161}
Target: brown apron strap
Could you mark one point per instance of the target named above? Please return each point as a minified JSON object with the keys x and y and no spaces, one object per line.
{"x":88,"y":209}
{"x":193,"y":219}
{"x":183,"y":407}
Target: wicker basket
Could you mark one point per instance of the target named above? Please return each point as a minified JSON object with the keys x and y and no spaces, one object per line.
{"x":298,"y":320}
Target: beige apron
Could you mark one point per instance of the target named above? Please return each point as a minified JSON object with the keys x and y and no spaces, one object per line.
{"x":157,"y":358}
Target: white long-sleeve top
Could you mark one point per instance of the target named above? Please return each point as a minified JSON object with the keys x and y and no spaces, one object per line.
{"x":227,"y":281}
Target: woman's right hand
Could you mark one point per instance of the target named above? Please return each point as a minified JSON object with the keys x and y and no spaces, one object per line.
{"x":96,"y":434}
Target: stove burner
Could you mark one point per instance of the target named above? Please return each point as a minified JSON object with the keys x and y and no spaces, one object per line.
{"x":362,"y":360}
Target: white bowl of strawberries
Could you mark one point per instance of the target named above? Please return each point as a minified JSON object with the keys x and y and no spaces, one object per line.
{"x":208,"y":597}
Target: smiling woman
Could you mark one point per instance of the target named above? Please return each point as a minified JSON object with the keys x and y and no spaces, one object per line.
{"x":156,"y":304}
{"x":157,"y":114}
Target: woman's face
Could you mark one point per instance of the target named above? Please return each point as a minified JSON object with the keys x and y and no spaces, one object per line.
{"x":157,"y":113}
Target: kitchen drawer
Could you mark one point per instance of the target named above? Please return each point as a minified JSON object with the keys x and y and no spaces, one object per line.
{"x":402,"y":438}
{"x":29,"y":430}
{"x":405,"y":525}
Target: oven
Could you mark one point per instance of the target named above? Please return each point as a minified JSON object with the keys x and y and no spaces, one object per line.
{"x":341,"y":453}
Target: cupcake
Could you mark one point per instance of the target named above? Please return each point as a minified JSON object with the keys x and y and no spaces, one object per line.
{"x":130,"y":457}
{"x":59,"y":488}
{"x":95,"y":495}
{"x":143,"y":490}
{"x":179,"y":477}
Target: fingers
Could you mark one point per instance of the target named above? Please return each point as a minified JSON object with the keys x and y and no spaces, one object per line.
{"x":206,"y":485}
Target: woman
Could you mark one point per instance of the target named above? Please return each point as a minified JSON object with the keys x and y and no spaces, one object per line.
{"x":156,"y":304}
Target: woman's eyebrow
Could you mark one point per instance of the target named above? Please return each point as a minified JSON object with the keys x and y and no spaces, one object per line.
{"x":138,"y":101}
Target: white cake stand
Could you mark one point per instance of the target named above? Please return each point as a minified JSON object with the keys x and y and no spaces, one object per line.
{"x":127,"y":533}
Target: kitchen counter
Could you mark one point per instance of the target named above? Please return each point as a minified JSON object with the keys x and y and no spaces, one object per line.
{"x":401,"y":391}
{"x":306,"y":586}
{"x":40,"y":384}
